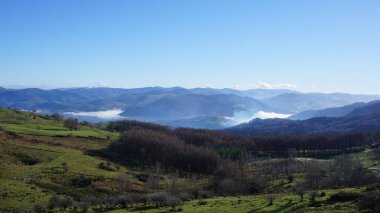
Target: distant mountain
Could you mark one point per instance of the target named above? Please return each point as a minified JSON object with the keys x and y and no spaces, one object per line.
{"x":199,"y":122}
{"x":252,"y":93}
{"x":329,"y":112}
{"x":366,"y":118}
{"x":188,"y":106}
{"x":298,"y":102}
{"x":198,"y":107}
{"x":32,"y":98}
{"x":368,"y":110}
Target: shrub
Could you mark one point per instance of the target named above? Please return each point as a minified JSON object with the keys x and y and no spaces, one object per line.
{"x":106,"y":167}
{"x":344,"y":196}
{"x":54,"y":202}
{"x":202,"y":202}
{"x":370,"y":201}
{"x":81,"y":181}
{"x":173,"y":201}
{"x":313,"y":196}
{"x":299,"y":190}
{"x":270,"y":199}
{"x":38,"y":207}
{"x":158,"y":198}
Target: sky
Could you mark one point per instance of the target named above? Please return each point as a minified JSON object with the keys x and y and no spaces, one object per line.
{"x":324,"y":45}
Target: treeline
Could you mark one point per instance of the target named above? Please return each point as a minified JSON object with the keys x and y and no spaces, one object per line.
{"x":151,"y":146}
{"x":319,"y":146}
{"x":199,"y":150}
{"x":126,"y":125}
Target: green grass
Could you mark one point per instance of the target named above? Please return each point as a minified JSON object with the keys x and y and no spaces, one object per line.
{"x":21,"y":185}
{"x":34,"y":124}
{"x":286,"y":203}
{"x":369,"y":160}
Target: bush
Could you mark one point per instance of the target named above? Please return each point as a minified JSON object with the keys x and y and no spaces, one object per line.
{"x":173,"y":201}
{"x":54,"y":202}
{"x":313,"y":196}
{"x":270,"y":199}
{"x":202,"y":202}
{"x":106,"y":167}
{"x":38,"y":207}
{"x":344,"y":196}
{"x":81,"y":181}
{"x":158,"y":198}
{"x":370,"y":201}
{"x":230,"y":186}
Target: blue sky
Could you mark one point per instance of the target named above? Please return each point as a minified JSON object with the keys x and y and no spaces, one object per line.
{"x":326,"y":46}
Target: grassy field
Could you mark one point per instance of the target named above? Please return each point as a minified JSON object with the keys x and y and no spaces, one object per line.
{"x":32,"y":124}
{"x":369,"y":160}
{"x":33,"y":172}
{"x":40,"y":158}
{"x":31,"y":160}
{"x":247,"y":204}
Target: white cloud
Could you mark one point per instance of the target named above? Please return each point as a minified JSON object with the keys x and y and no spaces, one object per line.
{"x":101,"y":84}
{"x":264,"y":85}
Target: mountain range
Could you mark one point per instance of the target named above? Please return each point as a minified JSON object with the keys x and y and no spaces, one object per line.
{"x":177,"y":106}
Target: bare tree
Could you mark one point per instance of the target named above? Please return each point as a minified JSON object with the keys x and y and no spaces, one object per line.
{"x":270,"y":198}
{"x":71,"y":124}
{"x":299,"y":190}
{"x":152,"y":183}
{"x":122,"y":182}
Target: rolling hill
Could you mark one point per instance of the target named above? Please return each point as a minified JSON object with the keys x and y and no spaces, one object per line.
{"x":299,"y":102}
{"x":362,"y":119}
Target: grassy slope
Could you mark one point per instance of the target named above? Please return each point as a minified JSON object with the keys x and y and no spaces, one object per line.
{"x":369,"y":160}
{"x":246,"y":204}
{"x":31,"y":124}
{"x":22,"y":185}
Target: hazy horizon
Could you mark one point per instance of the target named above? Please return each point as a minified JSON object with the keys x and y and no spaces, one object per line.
{"x":238,"y":87}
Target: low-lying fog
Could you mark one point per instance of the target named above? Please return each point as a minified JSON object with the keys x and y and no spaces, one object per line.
{"x":243,"y":117}
{"x":106,"y":115}
{"x":114,"y":114}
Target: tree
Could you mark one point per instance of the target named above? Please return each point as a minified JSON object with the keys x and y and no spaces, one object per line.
{"x":65,"y":167}
{"x":313,"y":196}
{"x":299,"y":190}
{"x":152,"y":183}
{"x":173,"y":202}
{"x":270,"y":199}
{"x":71,"y":124}
{"x":122,"y":182}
